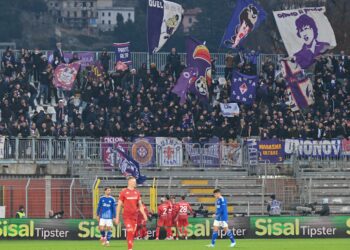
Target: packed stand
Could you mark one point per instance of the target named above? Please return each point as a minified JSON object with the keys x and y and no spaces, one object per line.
{"x":135,"y":103}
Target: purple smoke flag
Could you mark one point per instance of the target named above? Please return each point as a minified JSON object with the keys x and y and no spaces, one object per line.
{"x":198,"y":57}
{"x":128,"y":166}
{"x":243,"y":88}
{"x":246,"y":17}
{"x":188,"y":76}
{"x":163,"y":19}
{"x":122,"y":52}
{"x":299,"y":87}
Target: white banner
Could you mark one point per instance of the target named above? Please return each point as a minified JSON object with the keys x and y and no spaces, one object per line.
{"x":229,"y":109}
{"x":231,"y":154}
{"x":2,"y":147}
{"x":306,"y":33}
{"x":171,"y":21}
{"x":169,"y":152}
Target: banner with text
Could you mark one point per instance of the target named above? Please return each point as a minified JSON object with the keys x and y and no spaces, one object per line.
{"x":199,"y":228}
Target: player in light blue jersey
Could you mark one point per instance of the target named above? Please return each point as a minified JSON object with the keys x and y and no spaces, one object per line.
{"x":221,"y":219}
{"x":106,"y":213}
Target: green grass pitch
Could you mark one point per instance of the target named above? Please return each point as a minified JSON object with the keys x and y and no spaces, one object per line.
{"x":268,"y":244}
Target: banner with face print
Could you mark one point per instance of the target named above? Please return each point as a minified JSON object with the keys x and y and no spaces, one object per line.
{"x":306,"y":33}
{"x":164,"y":17}
{"x":65,"y":75}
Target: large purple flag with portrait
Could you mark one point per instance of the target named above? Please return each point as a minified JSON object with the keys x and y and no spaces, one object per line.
{"x":243,"y":88}
{"x":306,"y":33}
{"x":299,"y":87}
{"x":246,"y":17}
{"x":188,"y":77}
{"x":198,"y":57}
{"x":164,"y":17}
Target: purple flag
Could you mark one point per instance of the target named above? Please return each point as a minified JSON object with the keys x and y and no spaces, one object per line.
{"x":122,"y":52}
{"x":198,"y":57}
{"x":271,"y":150}
{"x":243,"y":88}
{"x":188,"y":77}
{"x":246,"y":17}
{"x":299,"y":87}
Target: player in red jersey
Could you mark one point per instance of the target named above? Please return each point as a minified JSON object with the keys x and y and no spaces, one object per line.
{"x":141,"y":231}
{"x":183,"y":208}
{"x":130,"y":200}
{"x":174,"y":215}
{"x":169,"y":220}
{"x":162,"y":216}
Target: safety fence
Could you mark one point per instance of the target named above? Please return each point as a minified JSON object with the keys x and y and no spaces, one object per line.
{"x":45,"y":197}
{"x":172,"y":152}
{"x":160,"y":59}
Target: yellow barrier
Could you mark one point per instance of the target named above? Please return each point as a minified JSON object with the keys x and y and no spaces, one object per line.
{"x":96,"y":196}
{"x":153,"y":195}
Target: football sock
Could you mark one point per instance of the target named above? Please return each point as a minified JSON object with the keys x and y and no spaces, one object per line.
{"x":103,"y":233}
{"x":109,"y":235}
{"x":214,"y":237}
{"x":185,"y":232}
{"x":157,"y":232}
{"x":168,"y":232}
{"x":130,"y":239}
{"x":230,"y":235}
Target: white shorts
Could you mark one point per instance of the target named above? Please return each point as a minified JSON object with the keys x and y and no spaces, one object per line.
{"x":222,"y":224}
{"x":106,"y":222}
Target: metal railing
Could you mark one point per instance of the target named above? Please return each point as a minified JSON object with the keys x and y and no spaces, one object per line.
{"x":138,"y":58}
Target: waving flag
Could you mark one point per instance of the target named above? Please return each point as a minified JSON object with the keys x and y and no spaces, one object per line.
{"x":306,"y":33}
{"x":299,"y":86}
{"x":122,"y":52}
{"x":188,"y":77}
{"x":164,"y":17}
{"x":243,"y":88}
{"x":65,"y":75}
{"x":198,"y":57}
{"x":246,"y":17}
{"x":128,"y":166}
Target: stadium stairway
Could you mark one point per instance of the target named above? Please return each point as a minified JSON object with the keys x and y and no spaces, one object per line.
{"x":244,"y":194}
{"x":329,"y":183}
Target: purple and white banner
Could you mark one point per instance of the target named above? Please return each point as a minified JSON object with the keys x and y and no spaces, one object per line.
{"x":207,"y":154}
{"x":231,"y":154}
{"x":299,"y":87}
{"x":313,"y":148}
{"x":243,"y":88}
{"x":164,"y":17}
{"x":143,"y":151}
{"x":110,"y":156}
{"x":85,"y":58}
{"x":271,"y":151}
{"x":306,"y":33}
{"x":122,"y":52}
{"x":169,"y":152}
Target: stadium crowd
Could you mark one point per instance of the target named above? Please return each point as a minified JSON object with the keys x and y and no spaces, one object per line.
{"x":135,"y":103}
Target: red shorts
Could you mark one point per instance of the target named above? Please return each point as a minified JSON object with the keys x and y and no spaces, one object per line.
{"x":162,"y":222}
{"x":182,"y":222}
{"x":169,"y":222}
{"x":130,"y":224}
